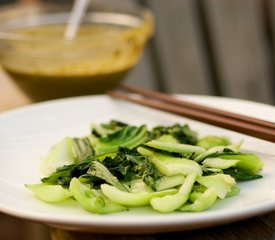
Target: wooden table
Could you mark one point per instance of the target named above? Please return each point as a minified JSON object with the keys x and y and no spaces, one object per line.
{"x":258,"y":228}
{"x":10,"y":95}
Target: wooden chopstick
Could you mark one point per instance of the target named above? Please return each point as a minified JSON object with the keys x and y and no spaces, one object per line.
{"x":188,"y":104}
{"x":236,"y":122}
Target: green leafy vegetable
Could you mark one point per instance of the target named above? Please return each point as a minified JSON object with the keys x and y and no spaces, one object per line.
{"x":83,"y":149}
{"x":103,"y":129}
{"x":182,"y":133}
{"x":129,"y":136}
{"x":129,"y":164}
{"x":241,"y":175}
{"x":99,"y":170}
{"x":118,"y":166}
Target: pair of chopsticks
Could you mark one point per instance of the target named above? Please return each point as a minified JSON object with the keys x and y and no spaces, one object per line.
{"x":240,"y":123}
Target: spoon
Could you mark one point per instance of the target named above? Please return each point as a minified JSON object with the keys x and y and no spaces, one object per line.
{"x":75,"y":18}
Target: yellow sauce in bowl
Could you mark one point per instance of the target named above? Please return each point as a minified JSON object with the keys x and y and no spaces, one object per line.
{"x":46,"y":66}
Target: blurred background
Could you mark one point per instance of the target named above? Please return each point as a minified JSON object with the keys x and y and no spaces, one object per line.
{"x":210,"y":47}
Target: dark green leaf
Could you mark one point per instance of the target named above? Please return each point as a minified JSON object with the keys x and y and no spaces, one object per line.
{"x":181,"y":132}
{"x":82,"y":148}
{"x":241,"y":175}
{"x":129,"y":164}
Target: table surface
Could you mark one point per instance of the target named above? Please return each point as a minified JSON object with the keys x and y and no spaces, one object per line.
{"x":261,"y":227}
{"x":10,"y":95}
{"x":258,"y":228}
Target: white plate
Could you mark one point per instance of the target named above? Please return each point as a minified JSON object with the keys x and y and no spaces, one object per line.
{"x":28,"y":133}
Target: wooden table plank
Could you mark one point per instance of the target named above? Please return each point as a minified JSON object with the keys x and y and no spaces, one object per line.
{"x":179,"y":46}
{"x":143,"y":74}
{"x":253,"y":228}
{"x":270,"y":20}
{"x":14,"y":228}
{"x":10,"y":95}
{"x":240,"y":49}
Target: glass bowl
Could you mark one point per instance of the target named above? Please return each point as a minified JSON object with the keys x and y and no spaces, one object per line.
{"x":34,"y":52}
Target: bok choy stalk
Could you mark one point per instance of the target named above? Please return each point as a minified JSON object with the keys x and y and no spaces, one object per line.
{"x":170,"y":203}
{"x":132,"y":199}
{"x":49,"y":193}
{"x":240,"y":166}
{"x":61,"y":154}
{"x":201,"y":202}
{"x":185,"y":149}
{"x":166,"y":182}
{"x":92,"y":200}
{"x":222,"y":183}
{"x":210,"y":141}
{"x":250,"y":163}
{"x":169,"y":165}
{"x":218,"y":151}
{"x":219,"y":163}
